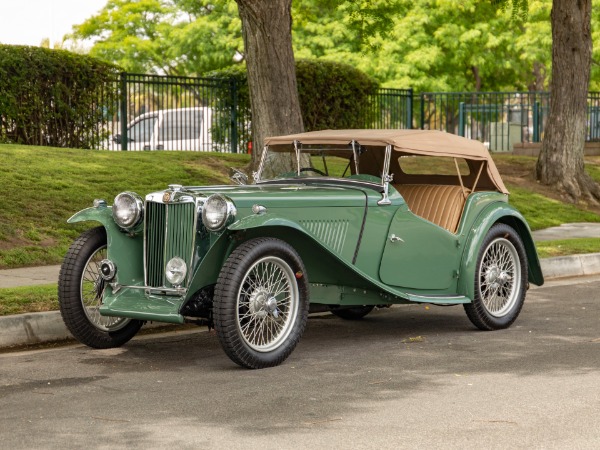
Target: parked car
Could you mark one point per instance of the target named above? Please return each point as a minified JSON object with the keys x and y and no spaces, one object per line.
{"x":366,"y":219}
{"x":168,"y":129}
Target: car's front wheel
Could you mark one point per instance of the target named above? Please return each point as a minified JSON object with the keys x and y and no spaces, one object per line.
{"x":261,"y":303}
{"x":500,"y":280}
{"x":80,"y":290}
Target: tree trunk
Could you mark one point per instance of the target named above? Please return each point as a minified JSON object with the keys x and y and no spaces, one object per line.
{"x":560,"y":163}
{"x":267,"y":33}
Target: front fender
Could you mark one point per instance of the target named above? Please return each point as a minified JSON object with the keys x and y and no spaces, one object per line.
{"x":124,"y":250}
{"x":499,"y":212}
{"x":263,"y":220}
{"x":102,"y":215}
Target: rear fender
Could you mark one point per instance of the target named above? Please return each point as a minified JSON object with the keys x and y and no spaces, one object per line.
{"x":499,"y":212}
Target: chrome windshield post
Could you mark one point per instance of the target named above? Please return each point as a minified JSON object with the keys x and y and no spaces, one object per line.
{"x":386,"y":177}
{"x":297,"y":145}
{"x":356,"y":155}
{"x":257,"y":174}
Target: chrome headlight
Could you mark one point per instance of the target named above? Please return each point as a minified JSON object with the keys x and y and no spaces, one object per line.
{"x":128,"y":210}
{"x":217,"y":211}
{"x":176,"y":270}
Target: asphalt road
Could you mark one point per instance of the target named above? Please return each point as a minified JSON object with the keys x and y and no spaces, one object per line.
{"x":407,"y":377}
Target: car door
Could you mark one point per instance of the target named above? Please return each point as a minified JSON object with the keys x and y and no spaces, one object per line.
{"x":418,"y":254}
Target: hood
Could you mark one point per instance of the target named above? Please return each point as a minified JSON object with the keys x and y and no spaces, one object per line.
{"x":285,"y":195}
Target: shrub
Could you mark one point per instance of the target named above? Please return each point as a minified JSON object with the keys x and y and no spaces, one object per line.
{"x":332,"y":95}
{"x":54,"y":97}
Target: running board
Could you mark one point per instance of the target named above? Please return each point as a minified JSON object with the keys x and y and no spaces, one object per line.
{"x":438,"y":299}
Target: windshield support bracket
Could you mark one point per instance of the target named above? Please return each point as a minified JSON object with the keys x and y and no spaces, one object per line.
{"x":386,"y":177}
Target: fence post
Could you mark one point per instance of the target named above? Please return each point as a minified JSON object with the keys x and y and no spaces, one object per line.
{"x":123,"y":105}
{"x":234,"y":107}
{"x":422,"y":111}
{"x":536,"y":122}
{"x":409,"y":116}
{"x":461,"y":119}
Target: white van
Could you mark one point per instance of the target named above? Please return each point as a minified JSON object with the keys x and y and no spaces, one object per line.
{"x":169,"y":129}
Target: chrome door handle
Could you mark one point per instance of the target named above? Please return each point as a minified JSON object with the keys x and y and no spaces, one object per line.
{"x":394,"y":238}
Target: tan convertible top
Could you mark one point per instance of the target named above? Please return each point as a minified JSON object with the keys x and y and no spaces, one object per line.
{"x":416,"y":142}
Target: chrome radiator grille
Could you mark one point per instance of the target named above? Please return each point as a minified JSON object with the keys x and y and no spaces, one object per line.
{"x":169,"y":232}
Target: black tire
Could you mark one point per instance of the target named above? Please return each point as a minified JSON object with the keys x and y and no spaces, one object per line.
{"x":500,"y":280}
{"x":79,"y":284}
{"x":259,"y":321}
{"x":354,"y":313}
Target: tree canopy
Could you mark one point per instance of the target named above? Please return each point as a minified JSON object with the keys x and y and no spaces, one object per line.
{"x":439,"y":45}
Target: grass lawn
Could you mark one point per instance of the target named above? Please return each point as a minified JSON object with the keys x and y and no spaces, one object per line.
{"x":27,"y":299}
{"x":549,"y":249}
{"x":45,"y":186}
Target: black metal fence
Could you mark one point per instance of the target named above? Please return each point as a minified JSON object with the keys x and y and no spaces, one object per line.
{"x":152,"y":112}
{"x":177,"y":113}
{"x":498,"y":119}
{"x":390,"y":108}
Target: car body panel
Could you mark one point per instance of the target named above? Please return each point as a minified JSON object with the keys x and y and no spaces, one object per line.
{"x":358,"y":239}
{"x":418,"y":254}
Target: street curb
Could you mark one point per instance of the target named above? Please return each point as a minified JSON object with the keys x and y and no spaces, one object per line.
{"x":43,"y":327}
{"x":571,"y":266}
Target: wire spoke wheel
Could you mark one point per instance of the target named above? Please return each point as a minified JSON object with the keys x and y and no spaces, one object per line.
{"x":261,"y":302}
{"x":92,"y":289}
{"x":500,"y":280}
{"x":499,"y":277}
{"x":267,"y":304}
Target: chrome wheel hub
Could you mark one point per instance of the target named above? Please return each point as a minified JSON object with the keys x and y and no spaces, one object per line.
{"x":92,"y":290}
{"x":500,"y":277}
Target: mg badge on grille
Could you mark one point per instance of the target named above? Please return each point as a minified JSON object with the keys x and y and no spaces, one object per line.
{"x":166,"y":197}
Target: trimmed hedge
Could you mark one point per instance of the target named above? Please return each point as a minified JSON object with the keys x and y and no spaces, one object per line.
{"x":332,"y":95}
{"x":54,"y":97}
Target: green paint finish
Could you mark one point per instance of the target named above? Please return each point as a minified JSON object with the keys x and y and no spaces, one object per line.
{"x":135,"y":304}
{"x":492,"y":213}
{"x":419,"y":254}
{"x":331,"y":294}
{"x":439,"y":299}
{"x":286,"y":195}
{"x":124,"y":250}
{"x":207,"y":269}
{"x":323,"y":223}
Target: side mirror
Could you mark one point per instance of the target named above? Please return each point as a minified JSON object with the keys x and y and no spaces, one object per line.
{"x":238,"y":177}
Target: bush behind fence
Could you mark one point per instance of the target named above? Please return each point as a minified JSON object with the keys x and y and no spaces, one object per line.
{"x":56,"y":98}
{"x":53,"y":97}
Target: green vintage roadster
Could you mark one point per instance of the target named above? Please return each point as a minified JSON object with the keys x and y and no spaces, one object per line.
{"x":368,"y":218}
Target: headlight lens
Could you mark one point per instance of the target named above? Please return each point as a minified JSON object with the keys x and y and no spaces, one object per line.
{"x":216,"y":212}
{"x":175,"y":271}
{"x":127,"y":210}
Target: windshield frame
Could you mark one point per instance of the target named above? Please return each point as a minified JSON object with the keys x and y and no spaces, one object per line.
{"x":353,"y":146}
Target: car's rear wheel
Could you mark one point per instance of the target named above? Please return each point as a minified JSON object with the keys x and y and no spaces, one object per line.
{"x":500,"y":280}
{"x":80,"y":290}
{"x":261,"y":303}
{"x":354,"y":313}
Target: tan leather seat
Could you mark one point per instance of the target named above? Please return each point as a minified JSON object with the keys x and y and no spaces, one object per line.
{"x":440,"y":204}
